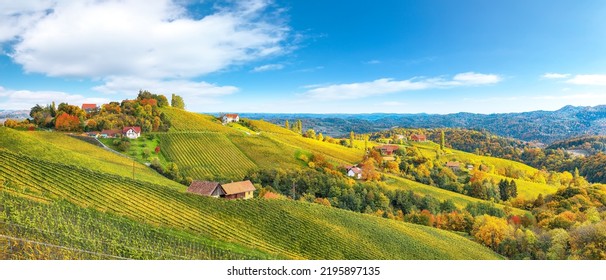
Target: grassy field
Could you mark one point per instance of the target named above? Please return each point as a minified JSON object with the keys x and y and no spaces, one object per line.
{"x":280,"y":228}
{"x":61,"y":148}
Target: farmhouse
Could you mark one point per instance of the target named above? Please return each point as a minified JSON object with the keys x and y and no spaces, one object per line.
{"x":354,"y":172}
{"x":227,"y":118}
{"x":243,"y":189}
{"x":132,"y":132}
{"x":89,"y":107}
{"x":234,"y":190}
{"x":93,"y":134}
{"x":454,"y":165}
{"x":206,"y":188}
{"x":387,"y":150}
{"x":418,"y":138}
{"x":109,"y":133}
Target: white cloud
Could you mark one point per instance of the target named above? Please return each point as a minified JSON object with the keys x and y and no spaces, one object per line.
{"x":25,"y":99}
{"x":268,"y":67}
{"x":17,"y":16}
{"x":151,"y":39}
{"x":555,"y":76}
{"x":590,"y":80}
{"x":374,"y":61}
{"x":386,"y":86}
{"x":471,"y":78}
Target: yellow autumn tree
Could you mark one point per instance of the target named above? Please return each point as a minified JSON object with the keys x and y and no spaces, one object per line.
{"x":490,"y":231}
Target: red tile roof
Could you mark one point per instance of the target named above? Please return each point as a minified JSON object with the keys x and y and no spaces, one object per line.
{"x":231,"y":116}
{"x":110,"y":132}
{"x":86,"y":106}
{"x":202,"y":187}
{"x":418,"y":137}
{"x":137,"y":129}
{"x":453,"y":164}
{"x":388,"y":148}
{"x":238,"y":187}
{"x":356,"y":170}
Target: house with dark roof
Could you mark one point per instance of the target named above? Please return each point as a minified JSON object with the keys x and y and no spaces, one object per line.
{"x":243,"y":189}
{"x":227,"y":118}
{"x":418,"y":138}
{"x":206,"y":188}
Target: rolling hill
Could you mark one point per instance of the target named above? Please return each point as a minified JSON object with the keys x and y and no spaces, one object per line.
{"x":276,"y":228}
{"x":542,"y":126}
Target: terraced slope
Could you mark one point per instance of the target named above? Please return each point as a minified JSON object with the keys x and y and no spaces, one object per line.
{"x":280,"y":228}
{"x":458,"y":199}
{"x":61,"y":230}
{"x":182,"y":120}
{"x":205,"y":155}
{"x":527,"y":189}
{"x":61,"y":148}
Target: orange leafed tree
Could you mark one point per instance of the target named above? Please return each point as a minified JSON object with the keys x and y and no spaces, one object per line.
{"x":66,"y":122}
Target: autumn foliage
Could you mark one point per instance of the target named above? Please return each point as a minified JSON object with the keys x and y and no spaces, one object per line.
{"x":66,"y":122}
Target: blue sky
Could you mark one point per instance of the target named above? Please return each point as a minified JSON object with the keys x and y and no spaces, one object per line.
{"x":307,"y":56}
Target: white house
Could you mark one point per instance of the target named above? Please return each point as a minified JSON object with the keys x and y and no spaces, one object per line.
{"x":132,"y":132}
{"x":354,"y":172}
{"x":227,"y":118}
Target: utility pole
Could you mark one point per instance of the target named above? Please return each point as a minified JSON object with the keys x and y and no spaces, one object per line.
{"x":294,"y":191}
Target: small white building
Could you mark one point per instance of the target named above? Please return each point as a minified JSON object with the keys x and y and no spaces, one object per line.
{"x":131,"y":132}
{"x":227,"y":118}
{"x":354,"y":172}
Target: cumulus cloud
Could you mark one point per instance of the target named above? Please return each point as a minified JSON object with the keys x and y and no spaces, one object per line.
{"x":25,"y":99}
{"x":195,"y":94}
{"x":17,"y":16}
{"x":268,"y":67}
{"x":386,"y":86}
{"x":555,"y":76}
{"x":151,"y":39}
{"x":471,"y":78}
{"x":590,"y":80}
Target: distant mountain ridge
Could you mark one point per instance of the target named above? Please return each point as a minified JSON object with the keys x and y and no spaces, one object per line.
{"x":543,"y":126}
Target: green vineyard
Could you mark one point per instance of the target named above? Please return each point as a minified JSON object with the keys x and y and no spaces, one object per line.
{"x":61,"y":230}
{"x":277,"y":228}
{"x":186,"y":121}
{"x":205,"y":155}
{"x":61,"y":148}
{"x":266,"y":152}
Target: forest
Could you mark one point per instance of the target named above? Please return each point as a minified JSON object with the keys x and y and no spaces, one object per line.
{"x":144,"y":111}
